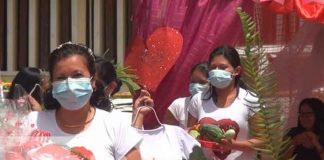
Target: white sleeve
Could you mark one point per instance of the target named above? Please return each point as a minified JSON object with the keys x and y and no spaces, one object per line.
{"x":126,"y":138}
{"x":193,"y":105}
{"x":173,"y":108}
{"x":187,"y":143}
{"x":251,"y":102}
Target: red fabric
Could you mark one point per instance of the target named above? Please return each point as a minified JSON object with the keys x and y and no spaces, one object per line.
{"x":313,"y":11}
{"x":203,"y":24}
{"x":287,"y":7}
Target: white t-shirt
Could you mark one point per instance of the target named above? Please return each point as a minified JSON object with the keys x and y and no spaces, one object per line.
{"x":179,"y":110}
{"x":166,"y":142}
{"x":234,"y":116}
{"x":107,"y":137}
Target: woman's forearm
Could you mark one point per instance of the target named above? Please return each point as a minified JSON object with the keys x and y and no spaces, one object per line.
{"x":138,"y":123}
{"x":246,"y":144}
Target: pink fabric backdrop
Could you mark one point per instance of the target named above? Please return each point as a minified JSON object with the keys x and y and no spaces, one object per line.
{"x":204,"y":25}
{"x":300,"y":68}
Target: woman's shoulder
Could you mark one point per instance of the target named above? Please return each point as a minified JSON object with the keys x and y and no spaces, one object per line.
{"x":247,"y":96}
{"x":102,"y":114}
{"x":200,"y":96}
{"x":179,"y":100}
{"x":112,"y":118}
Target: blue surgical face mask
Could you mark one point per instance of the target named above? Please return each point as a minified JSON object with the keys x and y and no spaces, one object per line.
{"x":72,"y":93}
{"x":194,"y":88}
{"x":220,"y":78}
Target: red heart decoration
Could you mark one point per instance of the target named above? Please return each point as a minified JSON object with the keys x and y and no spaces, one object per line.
{"x":224,"y":124}
{"x":154,"y":59}
{"x":311,"y":11}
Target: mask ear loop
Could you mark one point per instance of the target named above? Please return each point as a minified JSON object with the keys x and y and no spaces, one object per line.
{"x":31,"y":92}
{"x":141,"y":107}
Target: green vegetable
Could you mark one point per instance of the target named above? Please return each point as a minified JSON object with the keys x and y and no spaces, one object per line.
{"x":229,"y":134}
{"x":211,"y":132}
{"x":194,"y":133}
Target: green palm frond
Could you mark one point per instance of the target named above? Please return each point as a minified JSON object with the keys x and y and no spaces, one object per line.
{"x":268,"y":123}
{"x":127,"y":78}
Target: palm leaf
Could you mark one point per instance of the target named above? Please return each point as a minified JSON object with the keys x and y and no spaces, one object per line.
{"x":127,"y":78}
{"x":259,"y":78}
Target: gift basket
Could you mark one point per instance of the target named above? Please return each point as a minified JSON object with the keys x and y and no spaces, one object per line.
{"x":211,"y":134}
{"x":21,"y":141}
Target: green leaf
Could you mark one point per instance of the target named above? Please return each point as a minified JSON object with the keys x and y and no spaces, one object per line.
{"x":123,"y":73}
{"x":259,"y":77}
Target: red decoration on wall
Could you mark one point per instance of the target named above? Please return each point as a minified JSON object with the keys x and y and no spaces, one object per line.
{"x":309,"y":10}
{"x":153,"y":60}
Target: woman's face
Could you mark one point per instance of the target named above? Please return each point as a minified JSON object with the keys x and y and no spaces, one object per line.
{"x":220,"y":62}
{"x":198,"y":77}
{"x":74,"y":66}
{"x":306,"y":117}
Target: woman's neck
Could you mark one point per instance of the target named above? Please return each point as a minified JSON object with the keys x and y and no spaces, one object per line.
{"x":75,"y":121}
{"x":225,"y":97}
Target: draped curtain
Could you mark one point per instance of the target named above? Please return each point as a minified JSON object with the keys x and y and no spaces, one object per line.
{"x":293,"y":44}
{"x":204,"y":24}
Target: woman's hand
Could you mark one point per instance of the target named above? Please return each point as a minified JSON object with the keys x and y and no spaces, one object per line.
{"x":313,"y":138}
{"x":299,"y":139}
{"x":143,"y":100}
{"x":138,"y":112}
{"x":35,"y":105}
{"x":307,"y":139}
{"x":226,"y":145}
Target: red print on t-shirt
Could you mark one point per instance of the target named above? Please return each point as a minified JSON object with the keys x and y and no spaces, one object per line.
{"x":224,"y":124}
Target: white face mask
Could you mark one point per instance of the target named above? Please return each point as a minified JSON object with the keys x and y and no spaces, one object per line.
{"x":72,"y":93}
{"x":195,"y":88}
{"x":220,"y":78}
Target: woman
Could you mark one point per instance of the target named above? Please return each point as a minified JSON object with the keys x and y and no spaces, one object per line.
{"x":34,"y":82}
{"x":72,"y":120}
{"x":177,"y":113}
{"x":225,"y":104}
{"x":308,"y":136}
{"x":107,"y":83}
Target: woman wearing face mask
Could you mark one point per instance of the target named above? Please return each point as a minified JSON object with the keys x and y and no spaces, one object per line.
{"x":71,"y":118}
{"x":33,"y":82}
{"x":107,"y":83}
{"x":225,"y":104}
{"x":308,"y":136}
{"x":177,"y":113}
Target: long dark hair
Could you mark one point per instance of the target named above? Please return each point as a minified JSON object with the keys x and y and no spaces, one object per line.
{"x":105,"y":74}
{"x":64,"y":51}
{"x":27,"y":78}
{"x":317,"y":107}
{"x":233,"y":58}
